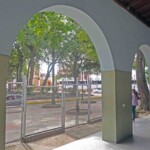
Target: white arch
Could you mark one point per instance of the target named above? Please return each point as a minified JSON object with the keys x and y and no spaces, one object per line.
{"x":95,"y":33}
{"x":124,"y":33}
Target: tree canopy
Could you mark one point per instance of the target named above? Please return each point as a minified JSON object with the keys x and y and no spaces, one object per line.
{"x":52,"y":38}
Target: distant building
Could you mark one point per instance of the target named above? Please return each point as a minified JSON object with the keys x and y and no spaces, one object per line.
{"x":38,"y":79}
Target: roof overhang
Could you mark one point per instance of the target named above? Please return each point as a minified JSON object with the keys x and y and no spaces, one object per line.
{"x":138,"y":8}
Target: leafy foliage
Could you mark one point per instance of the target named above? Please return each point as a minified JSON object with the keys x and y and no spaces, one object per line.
{"x":52,"y":38}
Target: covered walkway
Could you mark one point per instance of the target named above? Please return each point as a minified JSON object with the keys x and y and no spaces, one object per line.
{"x":117,"y":36}
{"x":140,"y":140}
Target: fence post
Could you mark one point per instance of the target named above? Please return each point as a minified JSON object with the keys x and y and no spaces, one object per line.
{"x":63,"y":106}
{"x":23,"y":115}
{"x":77,"y":104}
{"x":89,"y":100}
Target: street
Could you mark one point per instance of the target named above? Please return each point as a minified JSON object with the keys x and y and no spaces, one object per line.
{"x":40,"y":119}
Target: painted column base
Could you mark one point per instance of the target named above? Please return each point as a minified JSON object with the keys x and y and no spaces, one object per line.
{"x":3,"y":78}
{"x":116,"y":106}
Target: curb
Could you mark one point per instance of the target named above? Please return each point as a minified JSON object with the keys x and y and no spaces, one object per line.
{"x":57,"y":100}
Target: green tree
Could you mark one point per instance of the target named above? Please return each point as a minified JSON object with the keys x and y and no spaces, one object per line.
{"x":81,"y":54}
{"x":17,"y":65}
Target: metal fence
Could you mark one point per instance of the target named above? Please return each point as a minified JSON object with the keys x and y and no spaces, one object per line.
{"x":76,"y":105}
{"x":14,"y":109}
{"x":48,"y":109}
{"x":43,"y":109}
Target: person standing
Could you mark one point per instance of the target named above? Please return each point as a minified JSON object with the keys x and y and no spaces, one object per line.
{"x":135,"y":98}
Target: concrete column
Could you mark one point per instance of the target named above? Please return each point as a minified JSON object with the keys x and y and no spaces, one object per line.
{"x":116,"y":106}
{"x":3,"y":77}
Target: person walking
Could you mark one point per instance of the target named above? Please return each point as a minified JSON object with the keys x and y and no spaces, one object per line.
{"x":135,"y":98}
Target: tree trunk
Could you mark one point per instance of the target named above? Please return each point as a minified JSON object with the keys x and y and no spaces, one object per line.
{"x":141,"y":81}
{"x":31,"y":65}
{"x":20,"y":61}
{"x":75,"y":76}
{"x":53,"y":78}
{"x":47,"y":75}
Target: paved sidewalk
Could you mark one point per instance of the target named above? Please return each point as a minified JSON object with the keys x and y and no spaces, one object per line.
{"x":71,"y":134}
{"x":31,"y":146}
{"x":140,"y":141}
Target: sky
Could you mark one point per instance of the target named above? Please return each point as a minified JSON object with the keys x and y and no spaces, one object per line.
{"x":43,"y":68}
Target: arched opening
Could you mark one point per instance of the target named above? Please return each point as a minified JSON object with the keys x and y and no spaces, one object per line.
{"x":140,"y":82}
{"x":145,"y":49}
{"x":99,"y":42}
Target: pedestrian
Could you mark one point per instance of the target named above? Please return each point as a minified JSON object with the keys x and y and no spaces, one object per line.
{"x":135,"y":98}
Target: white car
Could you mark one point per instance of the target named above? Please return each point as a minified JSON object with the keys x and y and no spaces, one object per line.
{"x":97,"y":91}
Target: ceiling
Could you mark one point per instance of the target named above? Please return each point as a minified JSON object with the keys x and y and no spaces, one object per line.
{"x":139,"y":8}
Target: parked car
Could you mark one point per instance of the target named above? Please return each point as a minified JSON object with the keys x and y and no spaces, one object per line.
{"x":14,"y":99}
